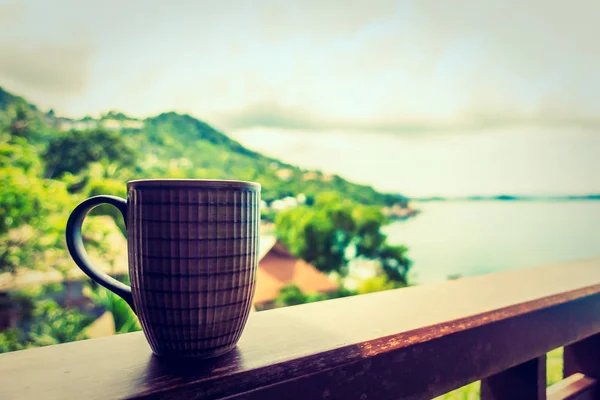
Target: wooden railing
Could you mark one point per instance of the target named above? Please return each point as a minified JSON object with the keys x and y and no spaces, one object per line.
{"x":414,"y":343}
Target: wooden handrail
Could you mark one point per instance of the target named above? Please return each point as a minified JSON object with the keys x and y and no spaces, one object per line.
{"x":573,"y":387}
{"x":412,"y":343}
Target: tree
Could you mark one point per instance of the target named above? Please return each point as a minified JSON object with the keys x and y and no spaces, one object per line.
{"x":335,"y":230}
{"x":290,"y":295}
{"x":22,"y":200}
{"x":394,"y":262}
{"x":20,"y":123}
{"x":33,"y":211}
{"x":56,"y":325}
{"x":11,"y":340}
{"x":16,"y":152}
{"x":74,"y":151}
{"x":376,"y":284}
{"x":49,"y":324}
{"x":97,"y":186}
{"x":319,"y":234}
{"x":340,"y":292}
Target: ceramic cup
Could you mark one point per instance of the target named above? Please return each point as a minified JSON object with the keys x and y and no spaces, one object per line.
{"x":193,"y":247}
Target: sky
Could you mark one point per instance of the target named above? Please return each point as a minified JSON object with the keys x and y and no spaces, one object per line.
{"x":387,"y":93}
{"x":392,"y":66}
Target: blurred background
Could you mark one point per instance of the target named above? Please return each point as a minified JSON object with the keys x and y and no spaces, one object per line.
{"x":397,"y":142}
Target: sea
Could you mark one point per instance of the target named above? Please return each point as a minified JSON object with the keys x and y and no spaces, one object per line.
{"x":465,"y":238}
{"x":451,"y":239}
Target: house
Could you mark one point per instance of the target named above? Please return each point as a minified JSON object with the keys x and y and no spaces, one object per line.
{"x":288,"y":202}
{"x":278,"y":268}
{"x":310,"y":176}
{"x":285,"y":174}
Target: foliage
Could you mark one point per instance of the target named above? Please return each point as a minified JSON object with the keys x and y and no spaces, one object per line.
{"x":292,"y":295}
{"x":21,"y":200}
{"x":338,"y":293}
{"x":335,"y":230}
{"x":376,"y":284}
{"x":18,"y":153}
{"x":32,"y":209}
{"x":73,"y":151}
{"x":108,"y":186}
{"x":554,"y":373}
{"x":20,"y":126}
{"x":123,"y":316}
{"x":267,"y":215}
{"x":394,"y":262}
{"x":51,"y":324}
{"x":22,"y":197}
{"x":42,"y":321}
{"x":20,"y":118}
{"x":26,"y":299}
{"x":554,"y":366}
{"x":21,"y":247}
{"x":11,"y":340}
{"x":55,"y":324}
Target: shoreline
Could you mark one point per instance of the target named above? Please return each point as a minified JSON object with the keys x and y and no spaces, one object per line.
{"x":399,"y":213}
{"x":509,"y":198}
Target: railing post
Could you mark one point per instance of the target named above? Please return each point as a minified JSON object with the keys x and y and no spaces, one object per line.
{"x":525,"y":381}
{"x":583,"y":357}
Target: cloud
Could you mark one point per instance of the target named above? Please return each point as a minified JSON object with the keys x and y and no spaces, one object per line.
{"x":10,"y":13}
{"x":38,"y":64}
{"x":426,"y":65}
{"x":46,"y":67}
{"x":280,"y":20}
{"x":527,"y":52}
{"x":272,"y":115}
{"x":394,"y":66}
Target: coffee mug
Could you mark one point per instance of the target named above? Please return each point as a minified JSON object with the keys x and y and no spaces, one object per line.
{"x":193,"y":247}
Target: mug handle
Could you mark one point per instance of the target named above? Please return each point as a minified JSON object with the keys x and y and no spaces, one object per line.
{"x":77,"y":250}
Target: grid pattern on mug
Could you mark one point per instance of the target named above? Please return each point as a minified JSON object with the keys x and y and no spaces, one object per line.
{"x":193,"y":255}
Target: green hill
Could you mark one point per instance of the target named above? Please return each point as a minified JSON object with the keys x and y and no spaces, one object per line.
{"x":14,"y":107}
{"x":172,"y":145}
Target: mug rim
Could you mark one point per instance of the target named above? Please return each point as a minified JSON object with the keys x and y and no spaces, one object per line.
{"x":201,"y":183}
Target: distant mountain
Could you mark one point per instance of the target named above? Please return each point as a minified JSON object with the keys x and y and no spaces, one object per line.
{"x":507,"y":197}
{"x":172,"y":145}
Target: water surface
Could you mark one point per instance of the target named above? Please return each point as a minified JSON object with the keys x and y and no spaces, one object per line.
{"x":472,"y":238}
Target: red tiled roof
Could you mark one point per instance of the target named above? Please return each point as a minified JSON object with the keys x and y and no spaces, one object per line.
{"x":278,"y":268}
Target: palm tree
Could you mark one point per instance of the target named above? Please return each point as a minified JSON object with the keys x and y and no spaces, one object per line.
{"x":123,"y":316}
